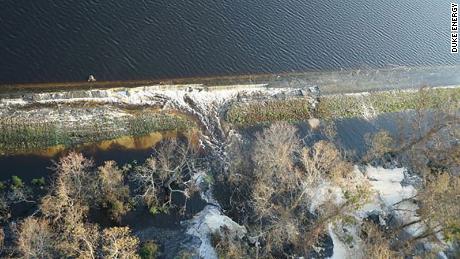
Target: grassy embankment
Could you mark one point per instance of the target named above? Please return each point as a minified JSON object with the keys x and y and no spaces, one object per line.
{"x":20,"y":137}
{"x":348,"y":106}
{"x":257,"y":112}
{"x":342,"y":106}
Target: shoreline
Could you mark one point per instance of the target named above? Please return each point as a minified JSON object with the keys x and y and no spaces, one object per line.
{"x":41,"y":120}
{"x":329,"y":80}
{"x":39,"y":116}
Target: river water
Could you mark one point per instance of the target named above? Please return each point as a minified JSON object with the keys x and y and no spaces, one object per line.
{"x":52,"y":40}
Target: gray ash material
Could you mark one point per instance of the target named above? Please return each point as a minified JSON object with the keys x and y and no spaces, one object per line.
{"x":325,"y":249}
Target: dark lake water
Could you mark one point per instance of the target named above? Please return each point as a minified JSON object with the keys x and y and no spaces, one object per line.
{"x":28,"y":167}
{"x":128,"y":40}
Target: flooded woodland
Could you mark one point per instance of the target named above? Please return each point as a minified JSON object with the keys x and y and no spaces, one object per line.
{"x":240,"y":171}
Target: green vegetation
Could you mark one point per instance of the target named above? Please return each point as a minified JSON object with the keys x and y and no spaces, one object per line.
{"x":18,"y":136}
{"x":39,"y":181}
{"x":147,"y":123}
{"x":247,"y":114}
{"x":155,"y":210}
{"x":149,"y":250}
{"x":16,"y":182}
{"x":357,"y":105}
{"x":341,"y":106}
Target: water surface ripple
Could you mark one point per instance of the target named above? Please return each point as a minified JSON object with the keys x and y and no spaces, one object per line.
{"x":127,"y":40}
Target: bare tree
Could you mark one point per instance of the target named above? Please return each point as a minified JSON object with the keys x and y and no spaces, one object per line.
{"x":427,"y":143}
{"x":63,"y":230}
{"x":76,"y":179}
{"x":439,"y":207}
{"x":74,"y":237}
{"x":324,"y":160}
{"x":114,"y":191}
{"x":119,"y":243}
{"x":82,"y":242}
{"x":283,"y":180}
{"x":426,"y":139}
{"x":376,"y":244}
{"x":167,"y":172}
{"x":275,"y":147}
{"x":35,"y":239}
{"x":75,"y":189}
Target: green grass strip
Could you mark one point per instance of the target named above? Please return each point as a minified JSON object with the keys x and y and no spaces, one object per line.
{"x":20,"y":136}
{"x":357,"y":105}
{"x":252,"y":113}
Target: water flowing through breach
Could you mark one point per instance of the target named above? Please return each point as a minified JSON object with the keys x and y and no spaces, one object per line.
{"x":209,"y":108}
{"x":206,"y":106}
